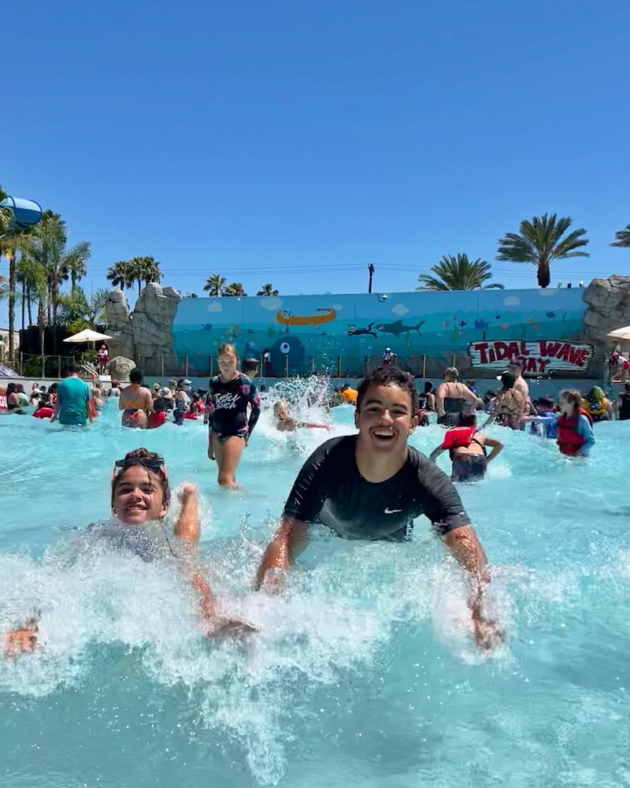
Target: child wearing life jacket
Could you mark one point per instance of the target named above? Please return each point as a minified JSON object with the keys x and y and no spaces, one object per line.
{"x":596,"y":404}
{"x":574,"y":427}
{"x":467,"y":449}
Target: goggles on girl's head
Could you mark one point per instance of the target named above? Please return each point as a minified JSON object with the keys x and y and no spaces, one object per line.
{"x":151,"y":463}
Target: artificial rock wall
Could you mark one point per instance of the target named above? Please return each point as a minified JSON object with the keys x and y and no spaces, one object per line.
{"x":144,"y":335}
{"x":607,"y":309}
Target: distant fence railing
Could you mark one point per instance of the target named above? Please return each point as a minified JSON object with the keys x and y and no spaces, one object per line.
{"x":333,"y":366}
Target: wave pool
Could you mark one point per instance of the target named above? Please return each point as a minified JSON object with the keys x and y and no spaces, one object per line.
{"x":362,"y":673}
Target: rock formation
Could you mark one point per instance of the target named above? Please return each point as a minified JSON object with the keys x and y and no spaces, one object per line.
{"x":153,"y":328}
{"x":145,"y":335}
{"x":120,"y":367}
{"x":119,"y":325}
{"x":607,"y":308}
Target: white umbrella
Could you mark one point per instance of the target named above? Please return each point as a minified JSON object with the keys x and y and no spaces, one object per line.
{"x":620,"y":333}
{"x":87,"y":335}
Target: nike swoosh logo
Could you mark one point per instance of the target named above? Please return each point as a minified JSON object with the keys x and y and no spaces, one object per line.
{"x":392,"y":511}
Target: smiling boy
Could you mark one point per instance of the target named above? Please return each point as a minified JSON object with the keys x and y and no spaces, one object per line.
{"x":372,"y":485}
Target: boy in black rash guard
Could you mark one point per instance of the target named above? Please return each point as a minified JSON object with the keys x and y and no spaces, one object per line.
{"x":230,"y":427}
{"x":372,"y":485}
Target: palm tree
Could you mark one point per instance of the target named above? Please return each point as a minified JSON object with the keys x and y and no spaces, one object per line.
{"x":191,"y":295}
{"x":214,"y":285}
{"x":122,"y":274}
{"x":267,"y":290}
{"x":32,"y":279}
{"x":146,"y":270}
{"x":78,"y":312}
{"x":48,"y":249}
{"x":6,"y":214}
{"x":14,"y":242}
{"x":540,"y":242}
{"x":458,"y":273}
{"x":74,"y":262}
{"x":235,"y":289}
{"x":622,"y":238}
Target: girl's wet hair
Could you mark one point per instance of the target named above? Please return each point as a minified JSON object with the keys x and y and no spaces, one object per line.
{"x":228,"y":350}
{"x":133,"y":459}
{"x":279,"y":406}
{"x":573,"y":396}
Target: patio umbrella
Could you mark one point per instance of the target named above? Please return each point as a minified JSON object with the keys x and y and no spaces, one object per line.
{"x":87,"y":335}
{"x":620,"y":333}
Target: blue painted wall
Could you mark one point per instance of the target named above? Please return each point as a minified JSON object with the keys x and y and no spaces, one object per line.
{"x":438,"y":325}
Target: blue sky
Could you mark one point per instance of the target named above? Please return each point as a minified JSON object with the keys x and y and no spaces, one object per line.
{"x":296,"y":141}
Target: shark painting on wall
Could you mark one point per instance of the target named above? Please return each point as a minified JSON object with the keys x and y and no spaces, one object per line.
{"x":298,"y":329}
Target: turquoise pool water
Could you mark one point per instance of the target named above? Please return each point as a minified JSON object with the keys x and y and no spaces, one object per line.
{"x":362,"y":674}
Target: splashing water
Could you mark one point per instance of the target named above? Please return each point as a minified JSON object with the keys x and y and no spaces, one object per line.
{"x":363,"y":672}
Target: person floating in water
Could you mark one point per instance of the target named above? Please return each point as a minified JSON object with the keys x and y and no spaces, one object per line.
{"x":140,"y":500}
{"x":467,"y":449}
{"x":597,"y":405}
{"x":453,"y":398}
{"x":349,"y":394}
{"x":230,"y":428}
{"x":136,"y":402}
{"x":574,"y":427}
{"x":284,"y":423}
{"x":372,"y":485}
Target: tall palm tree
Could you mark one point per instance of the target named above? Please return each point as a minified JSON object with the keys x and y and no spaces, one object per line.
{"x":267,"y":290}
{"x":540,"y":242}
{"x":48,"y":248}
{"x":122,"y":274}
{"x":74,"y":262}
{"x":214,"y":285}
{"x":32,"y":279}
{"x":458,"y":273}
{"x":191,"y":295}
{"x":13,"y":244}
{"x":622,"y":238}
{"x":234,"y":289}
{"x":6,"y":215}
{"x":146,"y":270}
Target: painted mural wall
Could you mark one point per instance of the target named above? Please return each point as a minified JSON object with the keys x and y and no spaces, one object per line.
{"x":315,"y":330}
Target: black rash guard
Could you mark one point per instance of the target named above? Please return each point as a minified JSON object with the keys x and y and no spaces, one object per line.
{"x":330,"y":490}
{"x":227,"y":407}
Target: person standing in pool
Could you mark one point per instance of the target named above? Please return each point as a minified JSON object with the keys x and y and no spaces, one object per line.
{"x":230,"y":427}
{"x":72,"y":406}
{"x":515,"y":368}
{"x":453,"y":398}
{"x":466,"y":446}
{"x":508,"y":407}
{"x":372,"y":486}
{"x":135,"y":401}
{"x":622,"y":404}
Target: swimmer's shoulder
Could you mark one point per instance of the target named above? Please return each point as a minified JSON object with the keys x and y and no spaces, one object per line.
{"x":335,"y":453}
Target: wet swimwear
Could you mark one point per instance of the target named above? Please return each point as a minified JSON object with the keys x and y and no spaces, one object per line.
{"x":453,"y":406}
{"x":469,"y":467}
{"x":624,"y":410}
{"x":227,"y":407}
{"x":330,"y":490}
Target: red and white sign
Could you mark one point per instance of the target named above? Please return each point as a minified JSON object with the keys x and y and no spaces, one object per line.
{"x":538,"y":358}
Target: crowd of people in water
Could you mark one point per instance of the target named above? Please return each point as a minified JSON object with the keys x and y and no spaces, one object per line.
{"x":369,"y":486}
